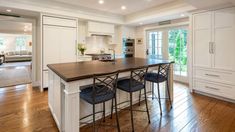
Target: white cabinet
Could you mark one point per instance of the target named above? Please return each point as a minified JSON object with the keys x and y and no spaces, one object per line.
{"x":202,"y":38}
{"x":100,"y":28}
{"x":213,"y":52}
{"x":224,"y":42}
{"x":59,"y":43}
{"x":82,"y":33}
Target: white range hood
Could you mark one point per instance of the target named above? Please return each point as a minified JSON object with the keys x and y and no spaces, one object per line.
{"x":99,"y":29}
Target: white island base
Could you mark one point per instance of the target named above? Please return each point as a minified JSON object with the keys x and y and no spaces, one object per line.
{"x":67,"y":108}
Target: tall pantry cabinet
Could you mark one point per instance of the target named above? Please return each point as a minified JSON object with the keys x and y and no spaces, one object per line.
{"x":214,"y":52}
{"x":59,"y":36}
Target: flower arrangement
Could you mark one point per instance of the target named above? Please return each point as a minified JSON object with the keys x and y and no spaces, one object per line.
{"x":82,"y":48}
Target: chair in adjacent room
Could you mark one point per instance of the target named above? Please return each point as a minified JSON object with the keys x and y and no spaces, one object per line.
{"x":159,"y":77}
{"x":103,"y":89}
{"x":134,"y":83}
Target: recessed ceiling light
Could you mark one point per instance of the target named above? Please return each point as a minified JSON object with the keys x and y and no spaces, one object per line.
{"x":141,"y":23}
{"x":25,"y":30}
{"x":182,"y":15}
{"x":101,"y":2}
{"x":123,"y":7}
{"x":8,"y":10}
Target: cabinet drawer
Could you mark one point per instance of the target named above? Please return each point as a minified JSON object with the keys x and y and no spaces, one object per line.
{"x":217,"y":76}
{"x":227,"y":91}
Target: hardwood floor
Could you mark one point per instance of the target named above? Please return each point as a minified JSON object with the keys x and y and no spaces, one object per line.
{"x":23,"y":108}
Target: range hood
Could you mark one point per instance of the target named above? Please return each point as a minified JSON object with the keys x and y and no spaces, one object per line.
{"x":99,"y":29}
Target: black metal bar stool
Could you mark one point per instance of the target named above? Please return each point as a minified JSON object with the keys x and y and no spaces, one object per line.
{"x":160,"y":76}
{"x":134,"y":83}
{"x":103,"y":89}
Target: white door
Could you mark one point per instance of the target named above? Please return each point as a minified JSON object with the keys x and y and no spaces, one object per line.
{"x":202,"y":40}
{"x":224,"y":39}
{"x":155,"y":44}
{"x":51,"y":45}
{"x":67,"y":44}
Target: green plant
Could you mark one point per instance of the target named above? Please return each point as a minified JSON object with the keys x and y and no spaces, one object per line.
{"x":82,"y":48}
{"x":178,"y":48}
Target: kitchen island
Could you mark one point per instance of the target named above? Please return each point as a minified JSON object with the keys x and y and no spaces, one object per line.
{"x":66,"y":80}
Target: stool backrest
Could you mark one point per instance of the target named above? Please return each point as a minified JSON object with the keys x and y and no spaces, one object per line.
{"x":138,"y":75}
{"x":163,"y":70}
{"x":103,"y":81}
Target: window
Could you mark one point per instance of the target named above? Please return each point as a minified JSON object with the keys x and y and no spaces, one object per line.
{"x":177,"y":47}
{"x":2,"y":43}
{"x":155,"y":44}
{"x":21,"y":43}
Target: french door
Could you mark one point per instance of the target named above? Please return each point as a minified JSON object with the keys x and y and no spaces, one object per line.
{"x":170,"y":43}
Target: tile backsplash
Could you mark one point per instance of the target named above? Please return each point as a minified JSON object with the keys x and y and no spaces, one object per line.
{"x":96,"y":43}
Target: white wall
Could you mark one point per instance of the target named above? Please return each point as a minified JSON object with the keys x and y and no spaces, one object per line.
{"x":10,"y":42}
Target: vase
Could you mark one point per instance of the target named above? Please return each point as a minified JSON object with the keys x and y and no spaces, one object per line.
{"x":82,"y":52}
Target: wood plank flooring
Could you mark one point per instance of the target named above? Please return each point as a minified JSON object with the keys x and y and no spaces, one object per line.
{"x":25,"y":109}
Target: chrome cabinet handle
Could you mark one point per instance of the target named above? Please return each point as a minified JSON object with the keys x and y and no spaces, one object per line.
{"x":212,"y":88}
{"x":212,"y":75}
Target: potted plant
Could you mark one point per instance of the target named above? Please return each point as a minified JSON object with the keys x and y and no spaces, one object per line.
{"x":81,"y":48}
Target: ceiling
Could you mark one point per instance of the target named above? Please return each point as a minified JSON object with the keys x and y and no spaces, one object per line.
{"x":111,"y":6}
{"x":10,"y":27}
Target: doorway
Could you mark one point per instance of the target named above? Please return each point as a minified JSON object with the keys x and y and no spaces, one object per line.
{"x":16,"y":49}
{"x":170,"y":43}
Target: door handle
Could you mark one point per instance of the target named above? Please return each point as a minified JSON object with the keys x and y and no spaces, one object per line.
{"x":212,"y":88}
{"x":212,"y":75}
{"x":147,"y":52}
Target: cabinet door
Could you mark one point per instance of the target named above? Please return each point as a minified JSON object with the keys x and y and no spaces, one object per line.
{"x":202,"y":38}
{"x":81,"y":33}
{"x":67,"y":44}
{"x":51,"y":44}
{"x":224,"y":39}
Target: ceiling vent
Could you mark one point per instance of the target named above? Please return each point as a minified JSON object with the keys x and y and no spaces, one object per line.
{"x":165,"y":22}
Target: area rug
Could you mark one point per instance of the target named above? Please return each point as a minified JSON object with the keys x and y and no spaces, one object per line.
{"x":11,"y":76}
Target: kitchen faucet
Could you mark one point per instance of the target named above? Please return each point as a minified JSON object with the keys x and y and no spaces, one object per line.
{"x":113,"y":54}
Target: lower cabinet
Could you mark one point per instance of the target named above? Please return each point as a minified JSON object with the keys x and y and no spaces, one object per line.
{"x":214,"y":82}
{"x":45,"y":79}
{"x":218,"y":89}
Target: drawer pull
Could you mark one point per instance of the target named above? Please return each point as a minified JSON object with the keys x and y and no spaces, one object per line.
{"x":212,"y":88}
{"x":212,"y":75}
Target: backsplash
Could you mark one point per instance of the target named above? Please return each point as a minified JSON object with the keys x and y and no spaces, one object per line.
{"x":96,"y":43}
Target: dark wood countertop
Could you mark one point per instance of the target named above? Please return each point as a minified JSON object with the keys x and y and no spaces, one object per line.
{"x":83,"y":70}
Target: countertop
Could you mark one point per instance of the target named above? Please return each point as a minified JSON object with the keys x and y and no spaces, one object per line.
{"x":83,"y":70}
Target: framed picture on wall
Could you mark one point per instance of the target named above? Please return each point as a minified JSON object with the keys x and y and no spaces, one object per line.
{"x":139,"y":40}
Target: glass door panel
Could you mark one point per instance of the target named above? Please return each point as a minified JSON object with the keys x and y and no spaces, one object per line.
{"x":177,"y":47}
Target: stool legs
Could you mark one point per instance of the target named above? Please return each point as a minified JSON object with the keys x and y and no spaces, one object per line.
{"x":159,"y":98}
{"x":103,"y":111}
{"x":111,"y":117}
{"x":117,"y":120}
{"x":132,"y":120}
{"x":146,"y":103}
{"x":93,"y":124}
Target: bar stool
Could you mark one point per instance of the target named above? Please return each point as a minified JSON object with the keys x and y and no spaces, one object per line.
{"x":103,"y":89}
{"x":134,"y":83}
{"x":160,"y":76}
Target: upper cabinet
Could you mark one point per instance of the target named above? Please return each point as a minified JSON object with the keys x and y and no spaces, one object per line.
{"x":214,"y":41}
{"x":96,"y":28}
{"x":82,"y":32}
